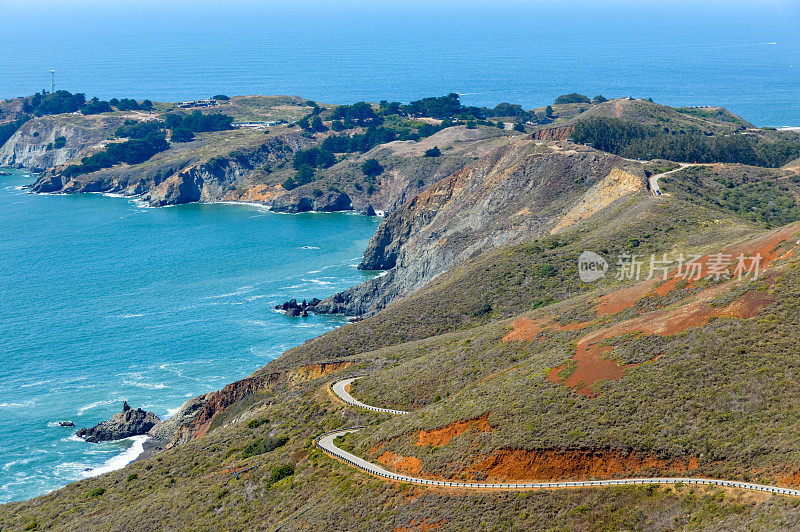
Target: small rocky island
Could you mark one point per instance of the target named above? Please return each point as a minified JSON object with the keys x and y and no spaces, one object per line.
{"x":129,"y":422}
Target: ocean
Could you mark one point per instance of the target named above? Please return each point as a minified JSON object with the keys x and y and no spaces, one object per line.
{"x":741,"y":54}
{"x":104,"y":300}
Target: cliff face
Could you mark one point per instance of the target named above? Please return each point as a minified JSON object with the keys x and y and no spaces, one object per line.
{"x":516,"y":194}
{"x":33,"y":145}
{"x":246,"y":166}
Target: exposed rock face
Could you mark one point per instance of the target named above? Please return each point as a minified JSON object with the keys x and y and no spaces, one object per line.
{"x":199,"y":415}
{"x":518,"y":193}
{"x":123,"y":424}
{"x":32,"y":145}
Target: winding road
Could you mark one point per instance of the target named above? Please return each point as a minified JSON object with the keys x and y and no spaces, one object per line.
{"x":654,"y":188}
{"x":326,"y":443}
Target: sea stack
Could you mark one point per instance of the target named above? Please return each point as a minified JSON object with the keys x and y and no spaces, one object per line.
{"x":129,"y":422}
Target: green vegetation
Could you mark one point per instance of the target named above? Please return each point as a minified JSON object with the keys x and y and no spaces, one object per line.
{"x":599,"y":99}
{"x":433,"y":152}
{"x":372,"y":168}
{"x":221,"y":97}
{"x":263,"y":445}
{"x":754,"y":194}
{"x":8,"y":130}
{"x":572,"y":98}
{"x":53,"y":103}
{"x":96,"y":492}
{"x":60,"y":142}
{"x":131,"y":152}
{"x":198,"y":122}
{"x":633,"y":140}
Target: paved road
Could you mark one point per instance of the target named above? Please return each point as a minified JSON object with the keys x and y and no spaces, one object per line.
{"x":654,"y":189}
{"x":339,"y":389}
{"x":325,"y":442}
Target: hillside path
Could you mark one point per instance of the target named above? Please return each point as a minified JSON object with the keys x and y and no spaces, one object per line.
{"x":326,"y":443}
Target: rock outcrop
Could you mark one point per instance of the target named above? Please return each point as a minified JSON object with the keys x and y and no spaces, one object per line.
{"x":518,"y":193}
{"x":129,"y":422}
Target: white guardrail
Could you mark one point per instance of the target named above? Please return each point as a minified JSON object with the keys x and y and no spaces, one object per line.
{"x":328,"y":447}
{"x":325,"y":442}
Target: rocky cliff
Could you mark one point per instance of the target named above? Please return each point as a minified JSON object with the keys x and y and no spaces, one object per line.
{"x":34,"y":144}
{"x":519,"y":192}
{"x":129,"y":422}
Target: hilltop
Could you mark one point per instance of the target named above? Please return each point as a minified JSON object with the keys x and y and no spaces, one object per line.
{"x":512,"y":367}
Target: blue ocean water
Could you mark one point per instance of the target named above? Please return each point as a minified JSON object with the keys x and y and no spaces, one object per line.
{"x":102,"y":300}
{"x":742,"y":54}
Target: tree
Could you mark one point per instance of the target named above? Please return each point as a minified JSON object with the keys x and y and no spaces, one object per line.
{"x":433,"y":152}
{"x":599,"y":99}
{"x":573,"y":97}
{"x":548,"y":112}
{"x":220,"y":97}
{"x":317,"y":125}
{"x":519,"y":126}
{"x":182,"y":134}
{"x":372,"y":168}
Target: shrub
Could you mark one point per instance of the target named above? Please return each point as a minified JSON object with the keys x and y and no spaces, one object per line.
{"x":573,"y":97}
{"x":96,"y":492}
{"x":60,"y":142}
{"x":599,"y":99}
{"x":372,"y":168}
{"x":433,"y":152}
{"x":255,"y":423}
{"x":220,"y":97}
{"x":281,"y":472}
{"x":132,"y":477}
{"x":182,"y":134}
{"x":263,"y":445}
{"x":519,"y":126}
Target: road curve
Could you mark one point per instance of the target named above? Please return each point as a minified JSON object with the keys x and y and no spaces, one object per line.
{"x":654,"y":189}
{"x":325,"y":442}
{"x":339,"y":388}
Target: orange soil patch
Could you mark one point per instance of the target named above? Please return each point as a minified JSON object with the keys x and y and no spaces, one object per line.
{"x":406,"y":464}
{"x":347,"y":388}
{"x":422,"y":526}
{"x":590,"y":364}
{"x":442,"y":436}
{"x":541,"y":465}
{"x":765,"y":245}
{"x":528,"y":329}
{"x":621,"y":299}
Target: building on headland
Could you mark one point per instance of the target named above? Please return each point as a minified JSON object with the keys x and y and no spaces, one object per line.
{"x":197,"y":103}
{"x":255,"y":125}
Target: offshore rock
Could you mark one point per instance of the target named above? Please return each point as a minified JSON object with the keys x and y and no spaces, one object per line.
{"x":129,"y":422}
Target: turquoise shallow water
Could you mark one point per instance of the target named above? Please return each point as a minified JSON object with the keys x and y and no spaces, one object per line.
{"x":102,"y":300}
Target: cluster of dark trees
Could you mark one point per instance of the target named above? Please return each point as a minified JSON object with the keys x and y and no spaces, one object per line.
{"x":133,"y":151}
{"x":184,"y":127}
{"x":129,"y":104}
{"x":53,"y":103}
{"x":643,"y":142}
{"x":7,"y":130}
{"x":62,"y":101}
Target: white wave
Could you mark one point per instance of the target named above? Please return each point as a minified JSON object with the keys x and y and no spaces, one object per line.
{"x":21,"y":461}
{"x":309,"y":247}
{"x":171,"y":412}
{"x":315,"y":271}
{"x":23,"y":404}
{"x":121,"y":460}
{"x":36,"y":383}
{"x":128,"y":316}
{"x":318,"y":281}
{"x":84,"y":408}
{"x":146,"y":385}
